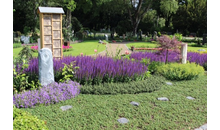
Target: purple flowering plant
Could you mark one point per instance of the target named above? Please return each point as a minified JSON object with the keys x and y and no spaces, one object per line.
{"x":49,"y":94}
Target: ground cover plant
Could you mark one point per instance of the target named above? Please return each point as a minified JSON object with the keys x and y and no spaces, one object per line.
{"x":50,"y":94}
{"x":102,"y":111}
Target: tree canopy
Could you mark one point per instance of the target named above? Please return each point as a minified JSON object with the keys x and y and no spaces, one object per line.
{"x":118,"y":15}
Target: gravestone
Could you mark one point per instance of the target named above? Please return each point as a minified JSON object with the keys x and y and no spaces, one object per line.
{"x":106,"y":37}
{"x":25,"y":39}
{"x":204,"y":39}
{"x":45,"y":65}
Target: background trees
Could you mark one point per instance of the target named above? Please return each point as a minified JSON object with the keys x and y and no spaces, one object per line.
{"x":118,"y":15}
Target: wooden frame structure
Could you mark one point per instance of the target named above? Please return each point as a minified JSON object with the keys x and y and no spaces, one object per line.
{"x":51,"y":30}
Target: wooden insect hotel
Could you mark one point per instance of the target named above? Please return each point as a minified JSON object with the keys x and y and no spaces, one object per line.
{"x":51,"y":30}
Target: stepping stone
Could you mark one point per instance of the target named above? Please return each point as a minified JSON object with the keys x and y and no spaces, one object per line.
{"x":64,"y":108}
{"x":190,"y":98}
{"x":204,"y":127}
{"x":163,"y":99}
{"x":123,"y":120}
{"x":134,"y":103}
{"x":169,"y":83}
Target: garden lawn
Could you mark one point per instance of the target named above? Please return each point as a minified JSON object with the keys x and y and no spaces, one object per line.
{"x":153,"y":45}
{"x":85,"y":47}
{"x":102,"y":111}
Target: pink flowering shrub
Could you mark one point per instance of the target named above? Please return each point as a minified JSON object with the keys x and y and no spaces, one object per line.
{"x":34,"y":48}
{"x":66,"y":48}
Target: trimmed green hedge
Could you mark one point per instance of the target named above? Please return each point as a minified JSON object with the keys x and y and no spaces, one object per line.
{"x":176,"y":71}
{"x":22,"y":120}
{"x":151,"y":84}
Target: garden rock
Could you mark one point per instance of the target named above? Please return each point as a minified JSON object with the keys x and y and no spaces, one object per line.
{"x":169,"y":83}
{"x":163,"y":99}
{"x":123,"y":120}
{"x":190,"y":98}
{"x":64,"y":108}
{"x":134,"y":103}
{"x":45,"y":59}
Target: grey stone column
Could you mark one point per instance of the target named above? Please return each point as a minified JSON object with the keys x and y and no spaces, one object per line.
{"x":184,"y":52}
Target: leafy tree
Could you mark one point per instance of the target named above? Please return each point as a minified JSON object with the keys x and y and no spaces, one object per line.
{"x":136,"y":10}
{"x":168,"y":7}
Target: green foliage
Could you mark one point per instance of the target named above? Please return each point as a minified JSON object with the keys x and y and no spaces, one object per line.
{"x":149,"y":85}
{"x":16,"y":45}
{"x":178,"y":36}
{"x":26,"y":30}
{"x":176,"y":71}
{"x":20,"y":80}
{"x":68,"y":72}
{"x":25,"y":53}
{"x":205,"y":66}
{"x":153,"y":66}
{"x":145,"y":61}
{"x":22,"y":120}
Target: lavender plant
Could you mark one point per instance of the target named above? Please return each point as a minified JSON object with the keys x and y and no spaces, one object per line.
{"x":46,"y":95}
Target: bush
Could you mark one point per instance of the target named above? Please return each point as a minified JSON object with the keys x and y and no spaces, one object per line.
{"x":24,"y":121}
{"x":153,"y":66}
{"x":149,"y":85}
{"x":176,"y":71}
{"x":46,"y":95}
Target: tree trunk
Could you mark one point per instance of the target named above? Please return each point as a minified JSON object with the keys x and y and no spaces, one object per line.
{"x":68,"y":19}
{"x":166,"y":57}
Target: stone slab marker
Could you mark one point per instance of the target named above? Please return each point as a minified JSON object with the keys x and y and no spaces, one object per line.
{"x":45,"y":64}
{"x":184,"y":53}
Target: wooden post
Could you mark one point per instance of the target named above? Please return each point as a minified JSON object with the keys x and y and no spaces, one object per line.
{"x":184,"y":53}
{"x":39,"y":45}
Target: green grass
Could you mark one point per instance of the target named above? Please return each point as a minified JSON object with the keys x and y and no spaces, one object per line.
{"x":153,"y":45}
{"x":102,"y":111}
{"x":86,"y":47}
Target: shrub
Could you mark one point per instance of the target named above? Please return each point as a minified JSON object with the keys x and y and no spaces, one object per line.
{"x":149,"y":85}
{"x":175,"y":71}
{"x":153,"y":66}
{"x":24,"y":121}
{"x":46,"y":95}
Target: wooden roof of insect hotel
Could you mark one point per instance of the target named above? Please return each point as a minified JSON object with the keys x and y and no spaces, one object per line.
{"x":54,"y":10}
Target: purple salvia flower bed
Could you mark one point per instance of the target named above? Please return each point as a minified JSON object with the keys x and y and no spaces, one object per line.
{"x":46,"y":95}
{"x":90,"y":67}
{"x":172,"y":57}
